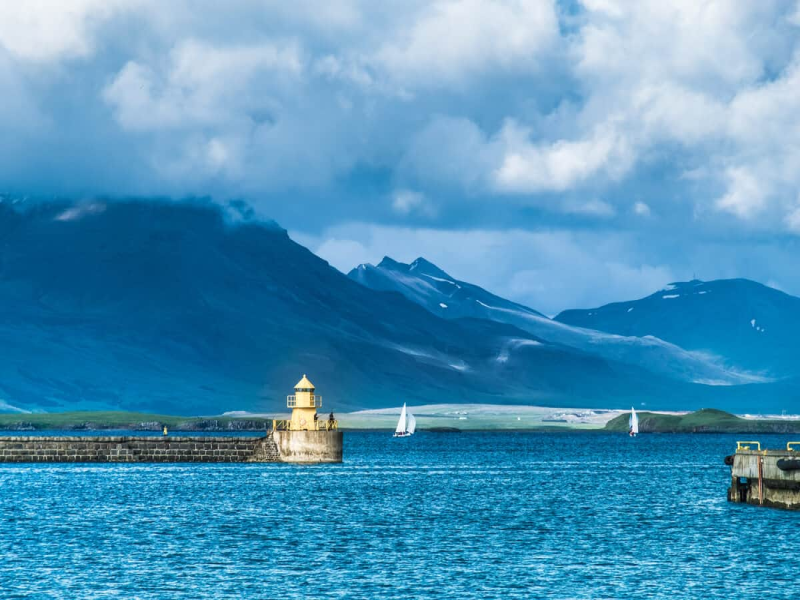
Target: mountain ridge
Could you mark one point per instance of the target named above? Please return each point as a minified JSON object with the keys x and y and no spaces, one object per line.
{"x":451,"y":299}
{"x":173,"y":308}
{"x":182,"y":308}
{"x":752,"y":325}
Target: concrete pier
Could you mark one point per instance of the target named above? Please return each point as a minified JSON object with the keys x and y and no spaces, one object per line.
{"x":276,"y":447}
{"x":765,"y":477}
{"x":309,"y":446}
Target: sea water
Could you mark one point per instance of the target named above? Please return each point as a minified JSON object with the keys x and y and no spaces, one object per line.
{"x":437,"y":515}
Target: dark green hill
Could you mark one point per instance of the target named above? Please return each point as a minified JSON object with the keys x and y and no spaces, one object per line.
{"x":707,"y":420}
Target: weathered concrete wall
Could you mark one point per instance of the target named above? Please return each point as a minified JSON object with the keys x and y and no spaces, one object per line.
{"x":767,"y":486}
{"x":138,"y":449}
{"x":309,"y":446}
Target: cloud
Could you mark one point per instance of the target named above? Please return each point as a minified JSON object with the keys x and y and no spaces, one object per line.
{"x":512,"y":100}
{"x":745,"y":196}
{"x":463,"y":114}
{"x":407,"y":202}
{"x":710,"y":45}
{"x":199,"y":85}
{"x":592,"y":208}
{"x":557,"y":166}
{"x":343,"y":254}
{"x":792,"y":221}
{"x":449,"y":151}
{"x":712,"y":83}
{"x":449,"y":41}
{"x":43,"y":30}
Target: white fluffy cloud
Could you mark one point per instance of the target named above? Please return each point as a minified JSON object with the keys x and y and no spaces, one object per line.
{"x":448,"y":41}
{"x":717,"y":78}
{"x":559,"y":165}
{"x":42,"y":30}
{"x":520,"y":100}
{"x":200,"y":85}
{"x":408,"y":202}
{"x":746,"y":194}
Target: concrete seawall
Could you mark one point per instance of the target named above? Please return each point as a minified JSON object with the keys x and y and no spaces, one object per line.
{"x":309,"y":446}
{"x":756,"y":478}
{"x":301,"y":446}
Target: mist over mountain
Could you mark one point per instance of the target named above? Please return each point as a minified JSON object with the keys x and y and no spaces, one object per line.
{"x":174,"y":307}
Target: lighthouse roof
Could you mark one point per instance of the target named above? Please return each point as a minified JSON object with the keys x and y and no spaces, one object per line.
{"x":304,"y":384}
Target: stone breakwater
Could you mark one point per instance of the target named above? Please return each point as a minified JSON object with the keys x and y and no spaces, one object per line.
{"x":299,"y":446}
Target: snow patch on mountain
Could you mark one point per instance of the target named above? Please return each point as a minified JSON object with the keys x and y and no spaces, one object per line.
{"x":438,"y":359}
{"x":514,"y":344}
{"x":712,"y":382}
{"x":439,"y":279}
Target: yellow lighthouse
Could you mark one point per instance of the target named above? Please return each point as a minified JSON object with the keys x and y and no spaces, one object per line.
{"x":304,"y":404}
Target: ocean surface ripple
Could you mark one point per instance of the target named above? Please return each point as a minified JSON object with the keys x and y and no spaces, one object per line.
{"x":469,"y":515}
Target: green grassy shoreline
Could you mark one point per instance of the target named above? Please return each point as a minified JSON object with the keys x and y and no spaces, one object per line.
{"x":91,"y":420}
{"x":133,"y":421}
{"x":702,"y":421}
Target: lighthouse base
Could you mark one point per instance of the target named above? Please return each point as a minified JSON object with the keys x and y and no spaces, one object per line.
{"x":309,"y":446}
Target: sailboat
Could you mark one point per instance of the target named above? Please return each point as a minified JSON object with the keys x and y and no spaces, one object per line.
{"x":407,"y":423}
{"x":633,"y":424}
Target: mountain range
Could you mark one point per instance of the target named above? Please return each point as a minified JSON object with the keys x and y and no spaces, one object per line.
{"x":449,"y":298}
{"x":189,"y":308}
{"x":753,"y":326}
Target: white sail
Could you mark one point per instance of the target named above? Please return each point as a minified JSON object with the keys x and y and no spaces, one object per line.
{"x":634,"y":422}
{"x":401,"y":424}
{"x":412,"y":423}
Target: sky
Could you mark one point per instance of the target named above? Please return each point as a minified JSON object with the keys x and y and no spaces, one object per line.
{"x":561,"y":154}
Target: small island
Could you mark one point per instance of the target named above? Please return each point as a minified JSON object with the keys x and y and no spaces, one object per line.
{"x":707,"y":420}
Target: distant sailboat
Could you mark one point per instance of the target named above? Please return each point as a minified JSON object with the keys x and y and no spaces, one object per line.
{"x":633,"y":424}
{"x":407,"y":423}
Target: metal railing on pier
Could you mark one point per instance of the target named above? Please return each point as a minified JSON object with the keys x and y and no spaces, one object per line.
{"x":746,"y":446}
{"x":319,"y":425}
